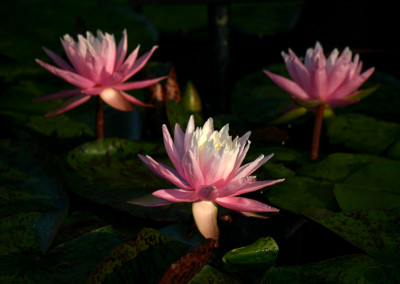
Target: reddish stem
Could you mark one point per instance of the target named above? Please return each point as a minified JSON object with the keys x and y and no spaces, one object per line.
{"x":99,"y":119}
{"x":319,"y":114}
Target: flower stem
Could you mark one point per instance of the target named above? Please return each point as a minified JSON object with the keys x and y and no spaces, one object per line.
{"x":319,"y":114}
{"x":99,"y":119}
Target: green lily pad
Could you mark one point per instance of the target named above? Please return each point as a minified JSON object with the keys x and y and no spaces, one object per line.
{"x":375,"y":231}
{"x":362,"y":133}
{"x":394,"y":150}
{"x":209,"y":275}
{"x":337,"y":166}
{"x":257,"y":99}
{"x":344,"y":269}
{"x":303,"y":195}
{"x":374,"y":186}
{"x":146,"y":259}
{"x":110,"y":172}
{"x":259,"y":255}
{"x":33,"y":201}
{"x":70,"y":262}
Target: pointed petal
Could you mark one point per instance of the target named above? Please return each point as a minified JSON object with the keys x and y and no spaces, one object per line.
{"x":249,"y":168}
{"x":192,"y":169}
{"x":176,"y":195}
{"x":257,"y":185}
{"x":288,"y":86}
{"x":205,"y":216}
{"x":114,"y":98}
{"x":232,"y":188}
{"x":349,"y":88}
{"x":59,"y":95}
{"x":134,"y":100}
{"x":139,"y":64}
{"x":164,"y":172}
{"x":58,"y":60}
{"x":244,"y":204}
{"x":70,"y":77}
{"x":188,"y":133}
{"x":149,"y":201}
{"x":121,"y":50}
{"x":252,"y":214}
{"x":138,"y":84}
{"x":70,"y":104}
{"x":179,"y":140}
{"x":172,"y":152}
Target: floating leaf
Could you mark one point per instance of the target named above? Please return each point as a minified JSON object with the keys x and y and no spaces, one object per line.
{"x":344,"y":269}
{"x":337,"y":166}
{"x":259,"y":255}
{"x":375,"y":231}
{"x":374,"y":186}
{"x":110,"y":172}
{"x":191,"y":99}
{"x":70,"y":262}
{"x":210,"y":275}
{"x":362,"y":133}
{"x":306,"y":196}
{"x":146,"y":259}
{"x":32,"y":198}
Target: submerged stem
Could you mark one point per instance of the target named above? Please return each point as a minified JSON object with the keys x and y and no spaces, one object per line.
{"x":319,"y":114}
{"x":99,"y":119}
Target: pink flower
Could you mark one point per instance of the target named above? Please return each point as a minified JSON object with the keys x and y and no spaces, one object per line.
{"x":97,"y":67}
{"x":208,"y":172}
{"x":333,"y":81}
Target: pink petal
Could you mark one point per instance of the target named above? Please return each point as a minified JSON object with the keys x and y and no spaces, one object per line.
{"x":188,"y":133}
{"x":139,"y":64}
{"x":172,"y":152}
{"x":114,"y":98}
{"x":58,"y":60}
{"x":287,"y":85}
{"x":70,"y":104}
{"x":232,"y":188}
{"x":206,"y":192}
{"x":176,"y":195}
{"x":138,"y":84}
{"x":205,"y":216}
{"x":192,"y":169}
{"x":340,"y":102}
{"x":165,"y":172}
{"x":134,"y":100}
{"x":149,"y":201}
{"x":59,"y":95}
{"x":244,"y":204}
{"x":318,"y":79}
{"x":179,"y":140}
{"x":348,"y":89}
{"x":121,"y":50}
{"x":72,"y":78}
{"x":297,"y":70}
{"x":249,"y":168}
{"x":257,"y":185}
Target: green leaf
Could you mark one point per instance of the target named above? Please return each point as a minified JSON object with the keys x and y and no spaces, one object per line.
{"x":375,"y":231}
{"x":210,"y":275}
{"x":32,"y":198}
{"x":394,"y":150}
{"x":146,"y":259}
{"x":306,"y":196}
{"x":362,"y":133}
{"x":374,"y":186}
{"x":110,"y":172}
{"x":257,"y":99}
{"x":344,"y":269}
{"x":191,"y":99}
{"x":337,"y":166}
{"x":259,"y":255}
{"x":70,"y":262}
{"x":364,"y":93}
{"x":289,"y":116}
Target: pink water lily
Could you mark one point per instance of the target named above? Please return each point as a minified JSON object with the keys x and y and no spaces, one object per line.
{"x":208,"y":172}
{"x":332,"y":81}
{"x":97,"y":67}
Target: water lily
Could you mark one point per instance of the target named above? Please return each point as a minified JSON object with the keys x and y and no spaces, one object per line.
{"x":208,"y":172}
{"x":333,"y":81}
{"x":322,"y":82}
{"x":97,"y":67}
